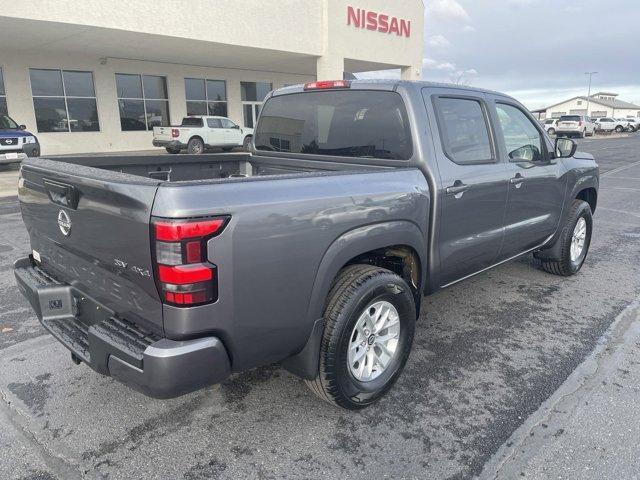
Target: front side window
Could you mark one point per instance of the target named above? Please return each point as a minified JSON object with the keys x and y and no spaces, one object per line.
{"x":226,"y":123}
{"x":464,"y":130}
{"x":64,"y":100}
{"x":348,"y":123}
{"x":521,"y":138}
{"x":143,"y":101}
{"x":206,"y":97}
{"x":3,"y":97}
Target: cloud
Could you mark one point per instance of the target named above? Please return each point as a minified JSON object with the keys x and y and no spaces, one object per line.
{"x":429,"y":63}
{"x":438,"y":41}
{"x":447,"y":10}
{"x":468,"y":29}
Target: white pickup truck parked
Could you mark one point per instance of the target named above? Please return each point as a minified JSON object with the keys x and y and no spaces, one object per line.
{"x":198,"y":133}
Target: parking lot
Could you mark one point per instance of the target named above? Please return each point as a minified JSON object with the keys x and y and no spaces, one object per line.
{"x":487,"y":353}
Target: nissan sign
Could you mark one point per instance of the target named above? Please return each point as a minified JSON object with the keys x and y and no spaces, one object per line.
{"x":379,"y":22}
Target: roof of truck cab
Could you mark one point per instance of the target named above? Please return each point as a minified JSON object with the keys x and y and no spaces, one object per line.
{"x":392,"y":84}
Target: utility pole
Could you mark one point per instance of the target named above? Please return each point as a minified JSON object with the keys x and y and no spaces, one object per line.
{"x":589,"y":90}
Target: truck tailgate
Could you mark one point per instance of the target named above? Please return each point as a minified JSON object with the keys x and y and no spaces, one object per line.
{"x":90,"y":228}
{"x":162,"y":133}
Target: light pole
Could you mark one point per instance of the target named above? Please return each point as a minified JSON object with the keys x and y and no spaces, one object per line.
{"x":589,"y":90}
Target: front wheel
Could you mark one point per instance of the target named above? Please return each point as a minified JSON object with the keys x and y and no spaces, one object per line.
{"x":246,"y":144}
{"x":574,"y":239}
{"x":369,"y":324}
{"x":619,"y":129}
{"x":551,"y":131}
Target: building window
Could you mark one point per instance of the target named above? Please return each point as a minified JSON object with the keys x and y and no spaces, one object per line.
{"x":206,"y":97}
{"x":252,"y":94}
{"x":64,"y":100}
{"x":143,"y":101}
{"x":579,"y":102}
{"x":3,"y":97}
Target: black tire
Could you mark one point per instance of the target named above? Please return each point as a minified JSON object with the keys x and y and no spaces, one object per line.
{"x":619,"y":129}
{"x":246,"y":143}
{"x":355,"y":288}
{"x":551,"y":131}
{"x":195,"y":146}
{"x":564,"y":266}
{"x":172,"y":151}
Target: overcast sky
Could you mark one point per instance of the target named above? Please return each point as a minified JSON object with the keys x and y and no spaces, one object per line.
{"x":535,"y":50}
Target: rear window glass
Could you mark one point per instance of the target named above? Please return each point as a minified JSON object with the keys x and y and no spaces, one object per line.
{"x":350,"y":123}
{"x":569,"y":118}
{"x":191,"y":122}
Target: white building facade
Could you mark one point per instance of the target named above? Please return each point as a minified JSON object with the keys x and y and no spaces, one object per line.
{"x":601,"y":104}
{"x":96,"y":76}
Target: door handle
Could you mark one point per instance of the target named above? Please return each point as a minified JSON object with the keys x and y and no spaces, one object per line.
{"x":517,"y":180}
{"x":456,"y":189}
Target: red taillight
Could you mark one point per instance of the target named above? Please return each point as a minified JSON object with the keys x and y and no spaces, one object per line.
{"x":176,"y":230}
{"x":184,"y":275}
{"x":175,"y":133}
{"x":324,"y":84}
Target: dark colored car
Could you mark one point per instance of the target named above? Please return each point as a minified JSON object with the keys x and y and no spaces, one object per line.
{"x":15,"y":142}
{"x":315,"y":251}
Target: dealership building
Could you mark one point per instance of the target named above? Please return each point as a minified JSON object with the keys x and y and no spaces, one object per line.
{"x":96,"y":76}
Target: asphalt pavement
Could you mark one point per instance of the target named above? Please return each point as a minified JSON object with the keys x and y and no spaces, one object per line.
{"x":493,"y":356}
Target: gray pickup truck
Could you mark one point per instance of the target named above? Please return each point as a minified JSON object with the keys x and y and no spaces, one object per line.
{"x":170,"y":273}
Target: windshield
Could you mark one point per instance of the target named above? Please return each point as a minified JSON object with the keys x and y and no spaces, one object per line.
{"x":191,"y":122}
{"x":348,"y":123}
{"x":7,"y":123}
{"x":569,"y":118}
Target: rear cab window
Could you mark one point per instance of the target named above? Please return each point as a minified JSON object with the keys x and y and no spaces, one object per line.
{"x":345,"y":123}
{"x":191,"y":122}
{"x":570,"y":118}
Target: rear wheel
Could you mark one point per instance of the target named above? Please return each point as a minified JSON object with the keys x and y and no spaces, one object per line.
{"x":574,"y":239}
{"x":246,"y":144}
{"x":195,"y":146}
{"x":551,"y":131}
{"x":370,"y":320}
{"x":619,"y":129}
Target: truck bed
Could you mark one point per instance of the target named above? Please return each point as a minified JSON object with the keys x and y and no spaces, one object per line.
{"x":184,"y":168}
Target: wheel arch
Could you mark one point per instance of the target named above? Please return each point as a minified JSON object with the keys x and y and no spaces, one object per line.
{"x":399,"y":246}
{"x":589,"y":195}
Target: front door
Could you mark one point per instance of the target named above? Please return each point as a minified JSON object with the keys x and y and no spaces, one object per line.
{"x":536,"y":187}
{"x":473,"y":185}
{"x":232,"y":133}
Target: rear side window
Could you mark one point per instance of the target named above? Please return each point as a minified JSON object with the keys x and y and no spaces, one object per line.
{"x":191,"y":122}
{"x":349,"y":123}
{"x":570,"y":118}
{"x":464,"y":130}
{"x":214,"y":123}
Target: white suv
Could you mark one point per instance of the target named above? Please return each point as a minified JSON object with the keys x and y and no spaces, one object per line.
{"x":550,"y":125}
{"x":579,"y":125}
{"x":608,"y":124}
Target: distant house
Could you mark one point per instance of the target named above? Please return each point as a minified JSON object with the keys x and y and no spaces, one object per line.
{"x":601,"y":104}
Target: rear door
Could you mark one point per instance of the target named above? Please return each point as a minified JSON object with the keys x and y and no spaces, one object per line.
{"x":473,"y":183}
{"x":536,"y":187}
{"x":216,"y":134}
{"x":90,"y":228}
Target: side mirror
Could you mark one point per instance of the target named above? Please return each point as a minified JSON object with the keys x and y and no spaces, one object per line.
{"x":565,"y":147}
{"x":22,"y":127}
{"x":237,"y":127}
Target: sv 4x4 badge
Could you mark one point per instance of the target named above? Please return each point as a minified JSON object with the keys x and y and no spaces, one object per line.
{"x":143,"y":272}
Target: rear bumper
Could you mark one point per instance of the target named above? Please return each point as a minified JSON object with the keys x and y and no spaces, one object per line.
{"x":157,"y":367}
{"x":169,"y":144}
